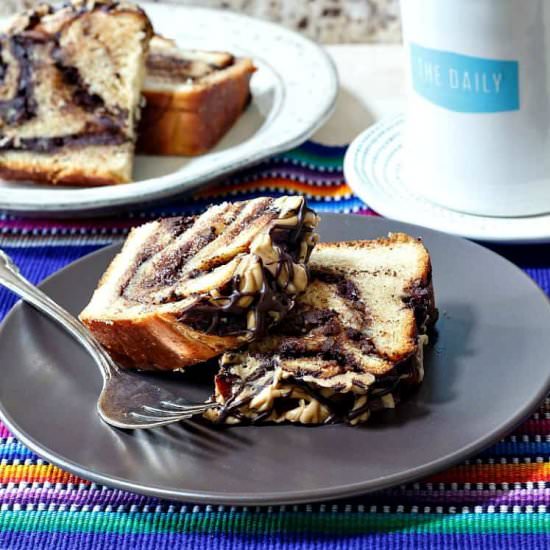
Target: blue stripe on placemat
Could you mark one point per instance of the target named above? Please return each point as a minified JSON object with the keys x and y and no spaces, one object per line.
{"x":277,"y":541}
{"x":37,"y":263}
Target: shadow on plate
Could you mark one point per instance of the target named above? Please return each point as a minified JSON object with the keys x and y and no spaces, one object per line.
{"x":442,"y":359}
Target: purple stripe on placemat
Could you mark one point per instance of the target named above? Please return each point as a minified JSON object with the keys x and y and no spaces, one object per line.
{"x":36,"y":226}
{"x":102,"y":496}
{"x":323,"y":150}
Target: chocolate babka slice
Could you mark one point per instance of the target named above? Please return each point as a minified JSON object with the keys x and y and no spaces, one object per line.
{"x":183,"y":290}
{"x":70,"y":89}
{"x":352,"y":344}
{"x":192,"y":98}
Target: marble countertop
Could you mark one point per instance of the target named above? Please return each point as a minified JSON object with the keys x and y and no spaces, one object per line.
{"x":328,"y":21}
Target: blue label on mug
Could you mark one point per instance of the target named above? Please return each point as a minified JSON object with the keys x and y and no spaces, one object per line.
{"x":463,"y":83}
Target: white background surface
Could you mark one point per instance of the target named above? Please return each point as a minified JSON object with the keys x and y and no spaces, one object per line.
{"x":372,"y":81}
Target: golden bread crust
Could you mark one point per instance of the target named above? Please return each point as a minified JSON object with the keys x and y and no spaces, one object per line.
{"x":47,"y":172}
{"x":190,"y":122}
{"x":157,"y":342}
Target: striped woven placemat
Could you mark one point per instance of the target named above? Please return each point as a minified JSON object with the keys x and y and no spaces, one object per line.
{"x":498,"y":499}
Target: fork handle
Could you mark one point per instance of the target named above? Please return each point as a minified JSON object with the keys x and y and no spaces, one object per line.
{"x":11,"y":278}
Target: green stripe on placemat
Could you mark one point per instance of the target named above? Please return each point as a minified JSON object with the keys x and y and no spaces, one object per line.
{"x":263,"y":523}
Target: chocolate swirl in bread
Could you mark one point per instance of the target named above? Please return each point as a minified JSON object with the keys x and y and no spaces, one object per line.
{"x":70,"y":91}
{"x":35,"y":47}
{"x":22,"y":106}
{"x":351,"y":346}
{"x":184,"y":66}
{"x":193,"y":98}
{"x":186,"y":289}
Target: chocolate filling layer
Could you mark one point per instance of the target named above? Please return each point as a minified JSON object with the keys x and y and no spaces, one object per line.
{"x":168,"y":270}
{"x":22,"y":106}
{"x":71,"y":76}
{"x":48,"y":145}
{"x":177,"y":68}
{"x":90,"y":102}
{"x":3,"y":65}
{"x":174,"y":227}
{"x":345,"y":287}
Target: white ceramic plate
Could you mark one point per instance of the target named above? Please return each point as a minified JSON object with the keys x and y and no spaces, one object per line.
{"x":294,"y":92}
{"x":372,"y":168}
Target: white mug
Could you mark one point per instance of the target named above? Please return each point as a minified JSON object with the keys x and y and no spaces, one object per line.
{"x":477,"y":131}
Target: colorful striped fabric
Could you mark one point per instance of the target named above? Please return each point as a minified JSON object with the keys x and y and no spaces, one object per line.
{"x":499,"y":499}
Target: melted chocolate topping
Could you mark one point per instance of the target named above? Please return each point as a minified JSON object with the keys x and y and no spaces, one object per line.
{"x":339,"y":405}
{"x":229,"y":318}
{"x":398,"y":382}
{"x":222,"y":311}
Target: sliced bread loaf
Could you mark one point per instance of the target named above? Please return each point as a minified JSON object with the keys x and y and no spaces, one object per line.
{"x":352,"y":344}
{"x":192,"y":98}
{"x":70,"y":89}
{"x":183,"y":290}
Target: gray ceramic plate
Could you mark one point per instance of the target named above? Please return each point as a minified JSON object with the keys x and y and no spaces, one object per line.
{"x":486,"y":372}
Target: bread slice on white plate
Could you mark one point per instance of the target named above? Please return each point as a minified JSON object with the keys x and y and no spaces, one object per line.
{"x":184,"y":290}
{"x":70,"y":90}
{"x":192,"y":98}
{"x":352,"y":345}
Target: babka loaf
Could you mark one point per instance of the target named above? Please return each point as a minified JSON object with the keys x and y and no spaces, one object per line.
{"x":352,"y":344}
{"x":70,"y":89}
{"x":183,"y":290}
{"x":192,"y":98}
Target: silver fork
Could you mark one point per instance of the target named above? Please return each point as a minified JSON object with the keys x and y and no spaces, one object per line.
{"x":128,"y":399}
